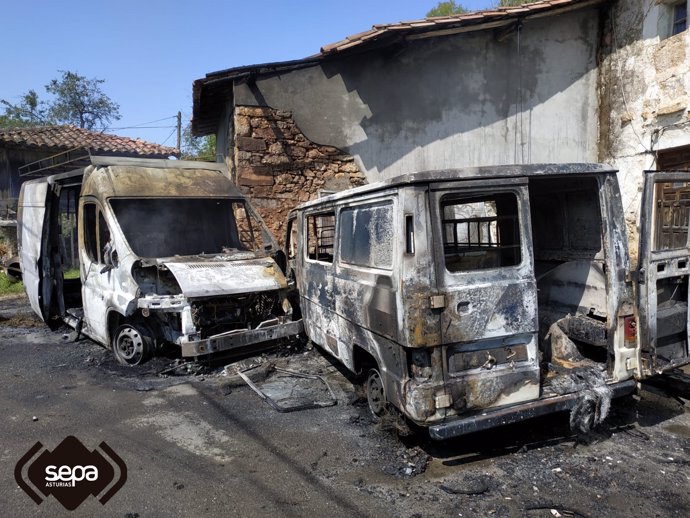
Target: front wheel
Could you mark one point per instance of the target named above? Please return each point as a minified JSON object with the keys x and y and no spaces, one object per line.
{"x":376,"y":394}
{"x":131,"y":345}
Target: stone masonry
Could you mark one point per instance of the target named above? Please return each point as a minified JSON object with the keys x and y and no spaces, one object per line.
{"x":644,"y":98}
{"x":278,"y":168}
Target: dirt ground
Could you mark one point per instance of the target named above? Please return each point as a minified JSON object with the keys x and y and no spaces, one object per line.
{"x":198,"y":441}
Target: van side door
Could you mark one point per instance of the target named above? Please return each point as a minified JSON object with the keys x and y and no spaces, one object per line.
{"x":315,"y":269}
{"x":664,"y":266}
{"x":367,"y":275}
{"x":33,"y":236}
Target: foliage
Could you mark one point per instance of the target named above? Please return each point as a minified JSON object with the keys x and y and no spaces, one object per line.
{"x":8,"y":286}
{"x":74,"y":99}
{"x":197,"y":148}
{"x":446,"y":9}
{"x":512,"y":3}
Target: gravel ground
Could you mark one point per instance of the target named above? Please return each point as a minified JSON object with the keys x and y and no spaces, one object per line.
{"x":198,"y":441}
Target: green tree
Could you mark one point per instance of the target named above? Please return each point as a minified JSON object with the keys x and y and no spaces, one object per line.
{"x":512,"y":3}
{"x":197,"y":148}
{"x":28,"y":111}
{"x":74,"y":99}
{"x":446,"y":9}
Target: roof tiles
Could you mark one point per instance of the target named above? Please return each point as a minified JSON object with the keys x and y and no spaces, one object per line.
{"x":63,"y":138}
{"x":442,"y":22}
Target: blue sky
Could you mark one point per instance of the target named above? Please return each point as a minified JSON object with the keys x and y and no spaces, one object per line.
{"x":150,"y":51}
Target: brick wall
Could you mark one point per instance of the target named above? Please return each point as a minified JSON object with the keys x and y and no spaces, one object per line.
{"x":278,"y":168}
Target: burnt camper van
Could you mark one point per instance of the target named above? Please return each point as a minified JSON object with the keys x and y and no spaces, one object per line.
{"x":138,"y":253}
{"x":476,"y":297}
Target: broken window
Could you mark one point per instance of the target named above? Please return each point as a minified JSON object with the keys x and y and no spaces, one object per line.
{"x":480,"y":231}
{"x":320,"y":236}
{"x":166,"y":227}
{"x":90,"y":243}
{"x":69,"y":245}
{"x":103,"y":237}
{"x":366,"y":235}
{"x":672,"y":201}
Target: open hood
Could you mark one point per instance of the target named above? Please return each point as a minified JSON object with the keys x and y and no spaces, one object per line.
{"x":211,"y":278}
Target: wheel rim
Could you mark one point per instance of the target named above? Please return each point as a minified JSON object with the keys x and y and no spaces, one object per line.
{"x":129,"y":345}
{"x":376,"y":396}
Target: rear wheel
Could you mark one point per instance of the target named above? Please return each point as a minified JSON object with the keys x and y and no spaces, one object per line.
{"x":376,"y":394}
{"x":132,"y":345}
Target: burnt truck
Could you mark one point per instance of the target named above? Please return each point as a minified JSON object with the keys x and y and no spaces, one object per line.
{"x":478,"y":297}
{"x":138,"y":253}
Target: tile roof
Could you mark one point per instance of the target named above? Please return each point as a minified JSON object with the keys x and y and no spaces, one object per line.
{"x":449,"y":22}
{"x":63,"y":138}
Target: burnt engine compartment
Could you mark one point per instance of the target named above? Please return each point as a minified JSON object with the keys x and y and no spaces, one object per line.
{"x":216,"y":315}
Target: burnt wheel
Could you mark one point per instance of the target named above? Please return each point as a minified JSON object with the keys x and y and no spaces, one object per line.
{"x":376,"y":395}
{"x":131,"y":345}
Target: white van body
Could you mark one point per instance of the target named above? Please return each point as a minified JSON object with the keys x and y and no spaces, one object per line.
{"x":136,"y":253}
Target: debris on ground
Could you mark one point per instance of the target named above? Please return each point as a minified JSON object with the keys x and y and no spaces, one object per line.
{"x":409,"y":463}
{"x":290,"y":391}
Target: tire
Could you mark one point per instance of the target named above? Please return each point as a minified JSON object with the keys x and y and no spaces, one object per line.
{"x":376,"y":394}
{"x":132,"y":345}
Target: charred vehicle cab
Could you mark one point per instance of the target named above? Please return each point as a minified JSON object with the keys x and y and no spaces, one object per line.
{"x":483,"y":296}
{"x":138,"y":253}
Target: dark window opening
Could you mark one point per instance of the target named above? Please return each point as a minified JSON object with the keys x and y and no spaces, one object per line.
{"x":167,"y":227}
{"x":320,"y":237}
{"x":680,"y":18}
{"x":366,"y":235}
{"x":90,"y":243}
{"x":409,"y":234}
{"x":480,"y":232}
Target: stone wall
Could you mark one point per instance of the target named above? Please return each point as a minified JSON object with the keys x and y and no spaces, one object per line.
{"x":278,"y":168}
{"x":644,"y":95}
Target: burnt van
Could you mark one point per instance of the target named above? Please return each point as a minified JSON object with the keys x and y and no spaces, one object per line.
{"x":138,"y":253}
{"x":477,"y":297}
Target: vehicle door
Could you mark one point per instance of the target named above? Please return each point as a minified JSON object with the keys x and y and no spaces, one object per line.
{"x":33,"y":239}
{"x":316,"y":273}
{"x":487,"y":287}
{"x":664,"y":262}
{"x":366,"y":277}
{"x":97,"y":272}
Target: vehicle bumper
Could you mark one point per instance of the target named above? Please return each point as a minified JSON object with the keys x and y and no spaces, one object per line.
{"x":240,"y":339}
{"x":516,"y":413}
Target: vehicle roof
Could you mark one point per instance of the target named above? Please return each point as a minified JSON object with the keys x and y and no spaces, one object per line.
{"x":134,"y":177}
{"x":132,"y":181}
{"x":468,"y":173}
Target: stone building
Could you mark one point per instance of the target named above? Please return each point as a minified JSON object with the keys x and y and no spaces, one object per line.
{"x":644,"y":95}
{"x":551,"y":81}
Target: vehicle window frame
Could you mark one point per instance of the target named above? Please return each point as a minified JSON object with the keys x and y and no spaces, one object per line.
{"x":381,"y":202}
{"x":459,"y":198}
{"x":316,"y":214}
